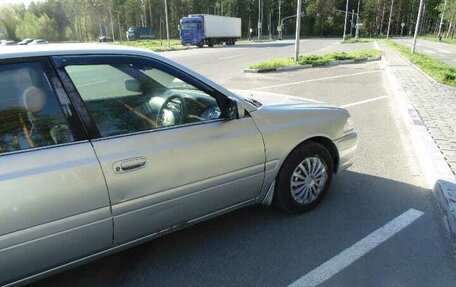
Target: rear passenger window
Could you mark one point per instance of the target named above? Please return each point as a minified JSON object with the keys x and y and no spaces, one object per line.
{"x":30,"y":114}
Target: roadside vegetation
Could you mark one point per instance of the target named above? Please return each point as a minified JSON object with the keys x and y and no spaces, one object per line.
{"x":358,"y":40}
{"x":156,"y":45}
{"x":315,"y":60}
{"x":441,"y":72}
{"x":435,"y":39}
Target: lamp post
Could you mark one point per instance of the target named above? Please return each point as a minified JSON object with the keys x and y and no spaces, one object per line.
{"x":298,"y":30}
{"x":259,"y":20}
{"x":417,"y":26}
{"x":389,"y":21}
{"x":441,"y":18}
{"x":112,"y":25}
{"x":357,"y":22}
{"x":280,"y":24}
{"x":167,"y":24}
{"x":345,"y":23}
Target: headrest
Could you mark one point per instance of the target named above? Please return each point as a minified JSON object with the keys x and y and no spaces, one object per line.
{"x":34,"y":99}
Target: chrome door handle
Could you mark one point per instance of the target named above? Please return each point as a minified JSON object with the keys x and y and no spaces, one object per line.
{"x":130,"y":164}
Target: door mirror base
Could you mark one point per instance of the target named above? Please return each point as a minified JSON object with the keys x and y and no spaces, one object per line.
{"x":235,"y":110}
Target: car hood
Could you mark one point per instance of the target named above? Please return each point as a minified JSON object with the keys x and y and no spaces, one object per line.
{"x":260,"y":98}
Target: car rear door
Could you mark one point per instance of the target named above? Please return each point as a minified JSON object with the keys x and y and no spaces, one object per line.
{"x":54,"y":205}
{"x":163,"y":171}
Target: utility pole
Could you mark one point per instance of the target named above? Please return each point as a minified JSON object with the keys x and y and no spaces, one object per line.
{"x":259,"y":20}
{"x":270,"y":26}
{"x":352,"y":22}
{"x":118,"y":25}
{"x":280,"y":29}
{"x":167,"y":24}
{"x":417,"y":26}
{"x":389,"y":21}
{"x":357,"y":21}
{"x":298,"y":30}
{"x":112,"y":25}
{"x":441,"y":18}
{"x":345,"y":24}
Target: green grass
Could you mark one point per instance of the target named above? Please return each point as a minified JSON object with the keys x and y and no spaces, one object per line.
{"x":315,"y":60}
{"x":155,"y":45}
{"x":435,"y":39}
{"x":358,"y":40}
{"x":441,"y":72}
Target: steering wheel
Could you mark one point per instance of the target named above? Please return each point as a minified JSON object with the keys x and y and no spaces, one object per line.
{"x":171,"y":112}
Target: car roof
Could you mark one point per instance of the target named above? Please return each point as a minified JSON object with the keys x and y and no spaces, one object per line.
{"x":70,"y":49}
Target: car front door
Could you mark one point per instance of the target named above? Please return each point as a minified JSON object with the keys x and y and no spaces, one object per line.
{"x":168,"y":151}
{"x":54,"y":204}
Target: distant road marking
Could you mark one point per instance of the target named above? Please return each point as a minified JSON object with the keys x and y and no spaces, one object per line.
{"x":445,"y":51}
{"x":363,"y":102}
{"x":93,"y":83}
{"x":316,"y":80}
{"x":231,"y":57}
{"x":429,"y":51}
{"x":357,"y":250}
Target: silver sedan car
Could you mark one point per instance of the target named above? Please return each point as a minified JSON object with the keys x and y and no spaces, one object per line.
{"x":102,"y":148}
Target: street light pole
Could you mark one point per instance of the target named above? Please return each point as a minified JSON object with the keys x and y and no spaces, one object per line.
{"x":357,"y":22}
{"x":389,"y":21}
{"x":280,"y":15}
{"x":345,"y":24}
{"x":441,"y":18}
{"x":167,"y":24}
{"x":298,"y":30}
{"x":417,"y":26}
{"x":259,"y":20}
{"x":112,"y":25}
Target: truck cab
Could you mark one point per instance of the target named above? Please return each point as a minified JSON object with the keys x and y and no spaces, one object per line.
{"x":192,"y":31}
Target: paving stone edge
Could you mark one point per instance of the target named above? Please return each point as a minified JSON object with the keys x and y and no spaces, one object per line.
{"x":444,"y":188}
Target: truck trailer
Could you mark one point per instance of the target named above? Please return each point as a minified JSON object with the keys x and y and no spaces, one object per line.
{"x":204,"y":29}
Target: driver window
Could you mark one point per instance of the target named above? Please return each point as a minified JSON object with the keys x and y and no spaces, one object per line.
{"x":128,"y":98}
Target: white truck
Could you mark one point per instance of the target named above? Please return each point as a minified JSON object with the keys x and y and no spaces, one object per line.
{"x":204,"y":29}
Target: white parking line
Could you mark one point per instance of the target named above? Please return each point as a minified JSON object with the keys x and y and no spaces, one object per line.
{"x":315,"y":80}
{"x":363,"y":102}
{"x":357,"y":250}
{"x":231,"y":57}
{"x":429,"y":51}
{"x":445,"y":51}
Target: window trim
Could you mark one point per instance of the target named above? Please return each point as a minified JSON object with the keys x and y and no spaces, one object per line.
{"x":60,"y":62}
{"x":68,"y":110}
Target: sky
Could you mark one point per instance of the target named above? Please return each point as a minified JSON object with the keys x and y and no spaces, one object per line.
{"x":26,"y":2}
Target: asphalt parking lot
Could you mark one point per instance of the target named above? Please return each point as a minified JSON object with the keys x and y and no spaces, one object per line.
{"x":330,"y":246}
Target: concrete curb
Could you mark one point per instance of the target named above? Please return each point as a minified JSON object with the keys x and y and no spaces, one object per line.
{"x":445,"y":192}
{"x":436,"y":169}
{"x":300,"y":67}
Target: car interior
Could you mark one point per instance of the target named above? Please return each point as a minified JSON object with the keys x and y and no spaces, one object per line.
{"x":29,"y":106}
{"x":149,"y":99}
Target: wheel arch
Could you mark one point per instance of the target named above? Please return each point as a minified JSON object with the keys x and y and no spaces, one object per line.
{"x":325,"y":142}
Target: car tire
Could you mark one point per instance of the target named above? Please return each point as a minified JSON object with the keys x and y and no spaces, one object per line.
{"x":295,"y":192}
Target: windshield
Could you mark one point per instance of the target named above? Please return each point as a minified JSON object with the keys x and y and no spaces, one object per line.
{"x":190,"y":25}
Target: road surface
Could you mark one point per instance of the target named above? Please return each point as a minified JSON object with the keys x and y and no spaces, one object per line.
{"x":443,"y":52}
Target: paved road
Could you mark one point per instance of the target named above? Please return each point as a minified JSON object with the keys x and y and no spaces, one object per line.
{"x":440,"y":51}
{"x":259,"y":246}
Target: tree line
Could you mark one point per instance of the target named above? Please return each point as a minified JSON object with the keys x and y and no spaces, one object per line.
{"x":86,"y":20}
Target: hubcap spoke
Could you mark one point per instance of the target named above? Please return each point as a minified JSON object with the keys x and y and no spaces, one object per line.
{"x":308,"y":180}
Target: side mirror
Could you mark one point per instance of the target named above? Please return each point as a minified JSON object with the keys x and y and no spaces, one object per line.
{"x":132,"y":85}
{"x":235,"y":110}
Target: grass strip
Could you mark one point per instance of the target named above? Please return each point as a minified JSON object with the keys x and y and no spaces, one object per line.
{"x":358,"y":40}
{"x":435,"y":39}
{"x":156,"y":45}
{"x":315,"y":60}
{"x":441,"y":72}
